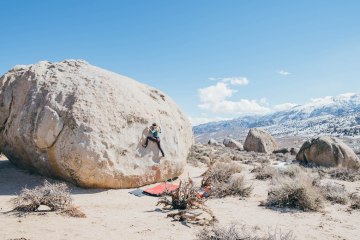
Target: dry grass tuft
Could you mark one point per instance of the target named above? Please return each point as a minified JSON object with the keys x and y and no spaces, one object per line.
{"x":224,"y":180}
{"x":333,"y":192}
{"x":264,"y":172}
{"x":235,"y":186}
{"x":236,"y":232}
{"x":56,"y":196}
{"x":74,"y":211}
{"x":345,"y":174}
{"x":355,"y":201}
{"x":220,"y":172}
{"x":298,"y":193}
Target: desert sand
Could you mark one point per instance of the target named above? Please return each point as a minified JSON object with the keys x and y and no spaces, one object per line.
{"x":116,"y":214}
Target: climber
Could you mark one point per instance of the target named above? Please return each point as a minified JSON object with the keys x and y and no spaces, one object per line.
{"x":155,"y":132}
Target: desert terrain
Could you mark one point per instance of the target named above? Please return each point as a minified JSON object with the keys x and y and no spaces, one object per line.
{"x":116,"y":214}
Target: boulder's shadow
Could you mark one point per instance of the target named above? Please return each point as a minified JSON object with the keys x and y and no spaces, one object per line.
{"x":152,"y":147}
{"x":13,"y":180}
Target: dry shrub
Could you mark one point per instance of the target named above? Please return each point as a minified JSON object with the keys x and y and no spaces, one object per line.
{"x":56,"y":196}
{"x":235,"y":186}
{"x":224,"y":180}
{"x":74,"y":211}
{"x":345,"y":174}
{"x":333,"y":192}
{"x":298,"y":193}
{"x":186,"y":199}
{"x":263,"y":172}
{"x":291,"y":171}
{"x":355,"y":201}
{"x":197,"y":151}
{"x":236,"y":232}
{"x":220,"y":172}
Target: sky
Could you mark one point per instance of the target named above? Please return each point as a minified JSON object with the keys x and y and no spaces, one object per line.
{"x":216,"y":59}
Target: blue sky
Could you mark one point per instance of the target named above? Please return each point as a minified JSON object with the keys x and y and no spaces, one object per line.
{"x":216,"y":59}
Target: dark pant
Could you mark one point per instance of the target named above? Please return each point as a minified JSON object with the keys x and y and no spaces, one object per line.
{"x":157,"y":140}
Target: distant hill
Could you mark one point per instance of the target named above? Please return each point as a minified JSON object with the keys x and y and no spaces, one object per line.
{"x":337,"y":116}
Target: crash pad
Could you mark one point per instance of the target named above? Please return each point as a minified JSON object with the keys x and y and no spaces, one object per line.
{"x":137,"y":192}
{"x":161,"y":189}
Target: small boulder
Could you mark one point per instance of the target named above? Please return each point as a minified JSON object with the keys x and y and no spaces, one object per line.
{"x":231,"y":143}
{"x":281,"y":150}
{"x":328,"y":152}
{"x":213,"y":142}
{"x":259,"y":141}
{"x":294,"y":151}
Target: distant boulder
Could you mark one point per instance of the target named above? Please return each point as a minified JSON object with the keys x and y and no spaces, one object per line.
{"x":213,"y":142}
{"x":281,"y":150}
{"x":294,"y":151}
{"x":231,"y":143}
{"x":328,"y":152}
{"x":258,"y":140}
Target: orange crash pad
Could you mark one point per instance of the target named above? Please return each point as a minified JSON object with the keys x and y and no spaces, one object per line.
{"x":161,"y":189}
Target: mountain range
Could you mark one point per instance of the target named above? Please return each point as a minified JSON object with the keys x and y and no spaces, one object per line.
{"x":336,"y":116}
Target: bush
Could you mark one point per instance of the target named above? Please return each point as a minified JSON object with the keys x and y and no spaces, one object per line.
{"x":333,"y":192}
{"x":220,"y":172}
{"x":235,"y":232}
{"x":291,"y":171}
{"x":186,"y":200}
{"x":224,"y":180}
{"x":345,"y":174}
{"x":264,"y":172}
{"x":298,"y":193}
{"x":56,"y":196}
{"x":355,"y":201}
{"x":185,"y":197}
{"x":235,"y":186}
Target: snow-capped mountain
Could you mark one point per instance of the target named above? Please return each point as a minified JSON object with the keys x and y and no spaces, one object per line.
{"x":339,"y":116}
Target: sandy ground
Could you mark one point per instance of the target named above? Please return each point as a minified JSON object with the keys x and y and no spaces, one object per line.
{"x":116,"y":214}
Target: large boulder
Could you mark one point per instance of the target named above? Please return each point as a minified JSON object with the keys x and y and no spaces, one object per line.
{"x":258,"y":140}
{"x":231,"y":143}
{"x":329,"y":152}
{"x":86,"y":125}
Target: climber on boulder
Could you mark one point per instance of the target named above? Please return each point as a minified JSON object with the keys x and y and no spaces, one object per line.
{"x":155,"y":137}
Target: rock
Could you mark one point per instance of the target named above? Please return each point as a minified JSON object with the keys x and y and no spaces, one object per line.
{"x":328,"y":152}
{"x":86,"y":125}
{"x":281,"y":150}
{"x":231,"y":143}
{"x":294,"y":151}
{"x":213,"y":142}
{"x":258,"y":140}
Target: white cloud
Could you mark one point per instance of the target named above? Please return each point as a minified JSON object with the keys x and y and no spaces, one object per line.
{"x":215,"y":100}
{"x":236,"y":80}
{"x":264,"y":101}
{"x":243,"y":106}
{"x":284,"y":106}
{"x":232,"y":80}
{"x":283,"y":72}
{"x":215,"y":93}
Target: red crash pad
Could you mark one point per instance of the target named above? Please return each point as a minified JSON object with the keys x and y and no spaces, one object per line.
{"x":161,"y":188}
